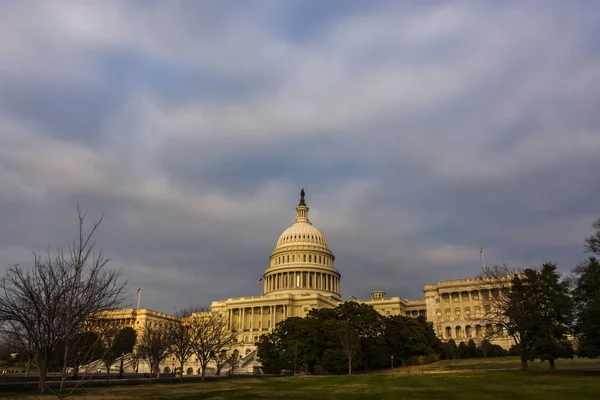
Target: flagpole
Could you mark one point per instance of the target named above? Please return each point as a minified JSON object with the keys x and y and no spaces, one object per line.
{"x":482,"y":258}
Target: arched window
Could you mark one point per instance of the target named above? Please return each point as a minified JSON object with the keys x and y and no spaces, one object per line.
{"x":309,"y":258}
{"x":304,"y":257}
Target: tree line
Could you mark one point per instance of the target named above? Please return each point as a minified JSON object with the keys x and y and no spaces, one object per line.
{"x":198,"y":333}
{"x":349,"y":337}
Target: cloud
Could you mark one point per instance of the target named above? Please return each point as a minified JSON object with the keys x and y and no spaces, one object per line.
{"x":420,"y":131}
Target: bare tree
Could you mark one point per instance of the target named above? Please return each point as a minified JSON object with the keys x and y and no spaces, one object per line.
{"x":592,"y":242}
{"x":107,"y":331}
{"x":153,"y":345}
{"x":182,"y":336}
{"x":350,"y":342}
{"x":220,"y":359}
{"x":495,"y":284}
{"x":48,"y":304}
{"x":234,"y":362}
{"x":213,"y":336}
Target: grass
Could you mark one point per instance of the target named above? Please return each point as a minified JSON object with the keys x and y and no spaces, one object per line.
{"x":476,"y":379}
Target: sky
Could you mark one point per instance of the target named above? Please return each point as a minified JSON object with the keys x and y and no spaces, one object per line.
{"x":419,"y":130}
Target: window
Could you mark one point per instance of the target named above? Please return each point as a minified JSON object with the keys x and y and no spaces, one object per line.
{"x":304,"y":257}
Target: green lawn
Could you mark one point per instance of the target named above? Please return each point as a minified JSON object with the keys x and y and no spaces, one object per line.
{"x":471,"y":383}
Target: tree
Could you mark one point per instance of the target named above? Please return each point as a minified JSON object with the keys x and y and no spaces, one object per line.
{"x":48,"y":304}
{"x":586,"y":297}
{"x":124,"y":344}
{"x":405,"y":337}
{"x":556,"y":314}
{"x":220,"y":360}
{"x":182,"y":336}
{"x":234,"y":361}
{"x":107,"y":331}
{"x":495,"y":284}
{"x":85,"y":348}
{"x":153,"y":345}
{"x":539,"y":312}
{"x":592,"y":242}
{"x":367,"y":323}
{"x":449,"y":349}
{"x":350,"y":340}
{"x":212,"y":337}
{"x":471,"y":349}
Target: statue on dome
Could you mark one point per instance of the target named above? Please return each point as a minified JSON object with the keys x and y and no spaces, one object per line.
{"x":302,"y":193}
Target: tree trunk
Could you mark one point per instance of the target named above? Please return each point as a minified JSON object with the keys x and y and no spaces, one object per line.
{"x":552,"y":366}
{"x":28,"y":370}
{"x":42,"y":381}
{"x":203,"y":366}
{"x":349,"y":366}
{"x":181,"y":372}
{"x":524,"y":366}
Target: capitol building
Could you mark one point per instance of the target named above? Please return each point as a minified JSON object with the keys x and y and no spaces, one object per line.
{"x":302,"y":275}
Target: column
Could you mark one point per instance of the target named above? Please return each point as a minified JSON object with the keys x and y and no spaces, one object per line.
{"x":262,"y":322}
{"x":472,"y":310}
{"x":462,"y":310}
{"x":242,"y":315}
{"x":252,"y":319}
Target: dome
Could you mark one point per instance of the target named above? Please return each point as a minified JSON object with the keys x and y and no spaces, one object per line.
{"x":301,"y":233}
{"x":301,"y":260}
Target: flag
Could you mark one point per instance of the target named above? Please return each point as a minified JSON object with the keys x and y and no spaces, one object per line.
{"x":258,"y":282}
{"x":138,"y":291}
{"x":352,"y":298}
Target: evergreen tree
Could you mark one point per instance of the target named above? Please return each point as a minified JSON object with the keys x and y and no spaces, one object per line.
{"x":586,"y":296}
{"x":540,"y":311}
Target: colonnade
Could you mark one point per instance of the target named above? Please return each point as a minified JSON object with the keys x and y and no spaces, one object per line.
{"x":469,"y":331}
{"x":464,"y":304}
{"x":257,"y":318}
{"x":303,"y":280}
{"x":302,"y":258}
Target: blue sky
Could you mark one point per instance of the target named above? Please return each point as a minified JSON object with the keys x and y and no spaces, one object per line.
{"x":419,"y":130}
